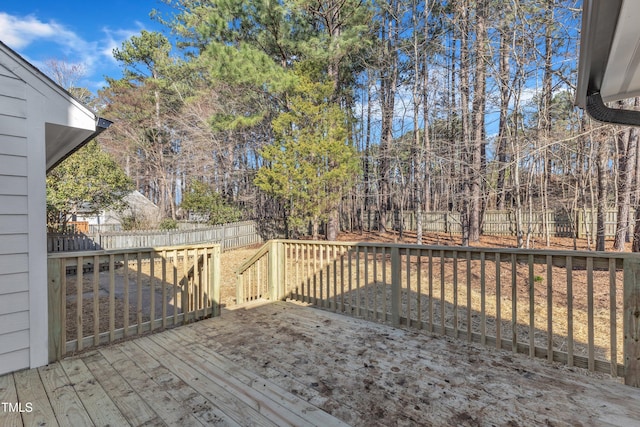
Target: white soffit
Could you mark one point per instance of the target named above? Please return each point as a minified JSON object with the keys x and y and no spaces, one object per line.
{"x":622,"y":74}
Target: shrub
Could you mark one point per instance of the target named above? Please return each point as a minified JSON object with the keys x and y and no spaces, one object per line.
{"x":168,"y":224}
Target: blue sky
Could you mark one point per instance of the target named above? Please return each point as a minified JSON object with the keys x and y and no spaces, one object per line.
{"x":76,"y":32}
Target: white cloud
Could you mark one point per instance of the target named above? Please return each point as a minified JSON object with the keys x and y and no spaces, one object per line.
{"x":23,"y":33}
{"x":31,"y":36}
{"x":19,"y":32}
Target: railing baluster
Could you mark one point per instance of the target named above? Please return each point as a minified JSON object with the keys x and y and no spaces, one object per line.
{"x":322,"y":251}
{"x":419,"y":289}
{"x":125,"y":275}
{"x":315,"y":276}
{"x":590,"y":324}
{"x":335,"y":285}
{"x":367,"y":286}
{"x":112,"y":298}
{"x":532,"y":293}
{"x":430,"y":264}
{"x":613,"y":327}
{"x":307,"y":270}
{"x":152,"y":288}
{"x":175,"y":286}
{"x":375,"y":282}
{"x":96,"y":300}
{"x":498,"y":303}
{"x":383,"y":285}
{"x":164,"y":289}
{"x":483,"y":302}
{"x":79,"y":296}
{"x":396,"y":286}
{"x":297,"y":261}
{"x":469,"y":303}
{"x":455,"y":294}
{"x":358,"y":313}
{"x":408,"y":283}
{"x":549,"y":308}
{"x":342,"y":296}
{"x":569,"y":264}
{"x":514,"y":304}
{"x":139,"y":292}
{"x":443,"y":300}
{"x":327,"y":300}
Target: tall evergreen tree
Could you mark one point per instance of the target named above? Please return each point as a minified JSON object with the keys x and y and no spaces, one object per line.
{"x":311,"y":164}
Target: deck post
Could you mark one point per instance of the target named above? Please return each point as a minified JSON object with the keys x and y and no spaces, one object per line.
{"x":395,"y":286}
{"x":239,"y":288}
{"x":214,"y":280}
{"x":282,"y":266}
{"x":632,"y":320}
{"x":273,"y":266}
{"x":55,"y":270}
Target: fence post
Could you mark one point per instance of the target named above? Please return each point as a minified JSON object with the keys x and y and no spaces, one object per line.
{"x":395,"y":286}
{"x":55,"y":270}
{"x":224,"y":236}
{"x":632,"y":321}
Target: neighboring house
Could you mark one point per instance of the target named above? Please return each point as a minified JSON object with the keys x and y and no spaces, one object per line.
{"x":40,"y":125}
{"x":137,"y":206}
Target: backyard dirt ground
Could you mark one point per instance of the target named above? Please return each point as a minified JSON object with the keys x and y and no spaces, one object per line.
{"x":445,"y":239}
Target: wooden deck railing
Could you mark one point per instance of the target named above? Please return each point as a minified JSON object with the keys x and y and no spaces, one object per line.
{"x":108,"y":295}
{"x":578,"y":308}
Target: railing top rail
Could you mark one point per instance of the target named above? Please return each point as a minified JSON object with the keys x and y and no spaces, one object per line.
{"x":58,"y":255}
{"x":476,"y":249}
{"x":261,"y":252}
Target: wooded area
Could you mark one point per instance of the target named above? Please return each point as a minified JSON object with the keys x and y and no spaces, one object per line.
{"x":311,"y":112}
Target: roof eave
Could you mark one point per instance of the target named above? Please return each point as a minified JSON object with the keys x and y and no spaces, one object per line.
{"x":72,"y":146}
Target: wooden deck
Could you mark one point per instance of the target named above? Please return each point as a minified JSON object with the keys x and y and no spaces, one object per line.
{"x":287,"y":364}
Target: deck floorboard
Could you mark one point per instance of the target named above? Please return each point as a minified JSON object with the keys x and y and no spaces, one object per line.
{"x":283,"y":363}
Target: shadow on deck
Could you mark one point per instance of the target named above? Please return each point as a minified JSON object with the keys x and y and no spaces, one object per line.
{"x":288,"y":364}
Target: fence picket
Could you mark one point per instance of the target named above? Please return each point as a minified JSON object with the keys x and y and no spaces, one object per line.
{"x":559,"y":223}
{"x":229,"y":236}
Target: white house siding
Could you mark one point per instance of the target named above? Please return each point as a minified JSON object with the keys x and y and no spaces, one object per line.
{"x":14,"y":224}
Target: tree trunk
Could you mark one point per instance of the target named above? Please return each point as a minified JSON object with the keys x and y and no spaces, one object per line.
{"x":602,"y":194}
{"x":333,"y":225}
{"x":467,"y":149}
{"x":503,"y":128}
{"x":627,"y":143}
{"x":388,"y":87}
{"x":478,"y":114}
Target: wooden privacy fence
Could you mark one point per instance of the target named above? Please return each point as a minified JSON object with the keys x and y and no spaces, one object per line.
{"x":578,"y":308}
{"x":229,"y":236}
{"x":110,"y":295}
{"x":559,"y":223}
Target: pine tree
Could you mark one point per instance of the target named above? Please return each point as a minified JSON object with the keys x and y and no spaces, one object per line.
{"x":310,"y":165}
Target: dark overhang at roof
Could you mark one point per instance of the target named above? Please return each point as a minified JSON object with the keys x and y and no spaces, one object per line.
{"x":68,"y":124}
{"x":63,"y":141}
{"x":609,"y":65}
